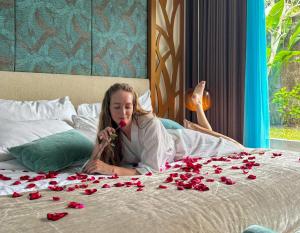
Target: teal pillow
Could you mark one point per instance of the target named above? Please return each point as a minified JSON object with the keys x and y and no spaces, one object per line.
{"x":54,"y":152}
{"x":169,"y":124}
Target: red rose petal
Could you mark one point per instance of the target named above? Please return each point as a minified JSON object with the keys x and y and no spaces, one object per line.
{"x":31,"y":185}
{"x":105,"y":186}
{"x":162,"y":187}
{"x":16,"y":183}
{"x":119,"y":184}
{"x":24,"y":177}
{"x":115,"y":176}
{"x":169,"y":180}
{"x":35,"y":195}
{"x":2,"y":177}
{"x":55,"y":198}
{"x":139,"y":184}
{"x":148,"y":174}
{"x":75,"y":205}
{"x":70,"y":189}
{"x":89,"y":191}
{"x":209,"y":180}
{"x":15,"y":194}
{"x":251,"y":177}
{"x":53,"y":182}
{"x":56,"y":216}
{"x":139,"y":189}
{"x":56,"y":188}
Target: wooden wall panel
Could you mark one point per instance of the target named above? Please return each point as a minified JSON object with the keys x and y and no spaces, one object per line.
{"x":166,"y":57}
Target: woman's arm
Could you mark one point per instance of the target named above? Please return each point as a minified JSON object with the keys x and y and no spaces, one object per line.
{"x":95,"y":165}
{"x":100,"y":167}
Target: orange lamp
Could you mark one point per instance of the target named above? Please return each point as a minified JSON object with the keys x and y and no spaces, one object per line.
{"x":206,"y":101}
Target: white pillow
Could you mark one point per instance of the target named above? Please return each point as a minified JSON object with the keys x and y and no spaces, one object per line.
{"x":145,"y":101}
{"x":15,"y":133}
{"x":90,"y":110}
{"x":58,"y":109}
{"x":87,"y":126}
{"x":93,"y":110}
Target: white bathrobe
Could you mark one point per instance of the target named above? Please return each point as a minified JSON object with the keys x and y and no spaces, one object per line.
{"x":151,"y":145}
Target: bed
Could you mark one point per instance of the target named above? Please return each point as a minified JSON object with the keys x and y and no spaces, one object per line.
{"x":219,"y":194}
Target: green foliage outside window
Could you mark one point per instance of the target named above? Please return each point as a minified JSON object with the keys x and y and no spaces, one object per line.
{"x":288,"y":103}
{"x":283,"y":48}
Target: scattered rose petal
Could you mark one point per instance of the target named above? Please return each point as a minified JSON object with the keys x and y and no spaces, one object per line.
{"x":139,"y":184}
{"x":169,"y":179}
{"x":55,"y":198}
{"x":31,"y":185}
{"x":209,"y":180}
{"x":177,"y":166}
{"x":35,"y":195}
{"x":251,"y":177}
{"x":128,"y":183}
{"x":83,"y":186}
{"x":53,"y":182}
{"x":162,"y":187}
{"x":119,"y":184}
{"x":56,"y":188}
{"x":16,"y":182}
{"x":24,"y":177}
{"x":4,"y":178}
{"x":105,"y":186}
{"x":56,"y":216}
{"x":115,"y":176}
{"x":70,"y":189}
{"x":15,"y":194}
{"x":174,"y":175}
{"x":139,"y":189}
{"x":148,"y":174}
{"x":89,"y":191}
{"x":75,"y":205}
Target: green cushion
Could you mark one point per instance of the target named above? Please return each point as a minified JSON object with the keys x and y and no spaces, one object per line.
{"x":54,"y":152}
{"x":169,"y":124}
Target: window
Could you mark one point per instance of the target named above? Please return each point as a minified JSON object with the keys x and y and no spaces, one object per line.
{"x":283,"y":51}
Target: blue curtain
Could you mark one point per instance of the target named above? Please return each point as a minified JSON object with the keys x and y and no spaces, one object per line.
{"x":256,"y":112}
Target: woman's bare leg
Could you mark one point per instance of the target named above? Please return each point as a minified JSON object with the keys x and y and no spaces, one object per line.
{"x":197,"y":99}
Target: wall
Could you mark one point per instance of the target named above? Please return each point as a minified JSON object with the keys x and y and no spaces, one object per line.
{"x":86,"y":37}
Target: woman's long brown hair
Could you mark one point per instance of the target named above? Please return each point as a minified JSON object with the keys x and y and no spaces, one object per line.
{"x":113,"y":154}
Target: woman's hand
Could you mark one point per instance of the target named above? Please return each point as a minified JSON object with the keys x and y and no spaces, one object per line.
{"x":105,"y":134}
{"x":98,"y":166}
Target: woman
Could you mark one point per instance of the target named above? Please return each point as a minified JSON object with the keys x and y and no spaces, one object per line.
{"x":143,"y":144}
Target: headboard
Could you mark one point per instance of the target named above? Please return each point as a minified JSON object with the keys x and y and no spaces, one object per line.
{"x":80,"y":89}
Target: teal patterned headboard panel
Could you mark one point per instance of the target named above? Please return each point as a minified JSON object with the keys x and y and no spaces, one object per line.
{"x":88,"y":37}
{"x":53,"y":36}
{"x":7,"y":35}
{"x":120,"y":38}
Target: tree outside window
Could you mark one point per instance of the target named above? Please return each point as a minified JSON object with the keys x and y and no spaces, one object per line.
{"x":283,"y":56}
